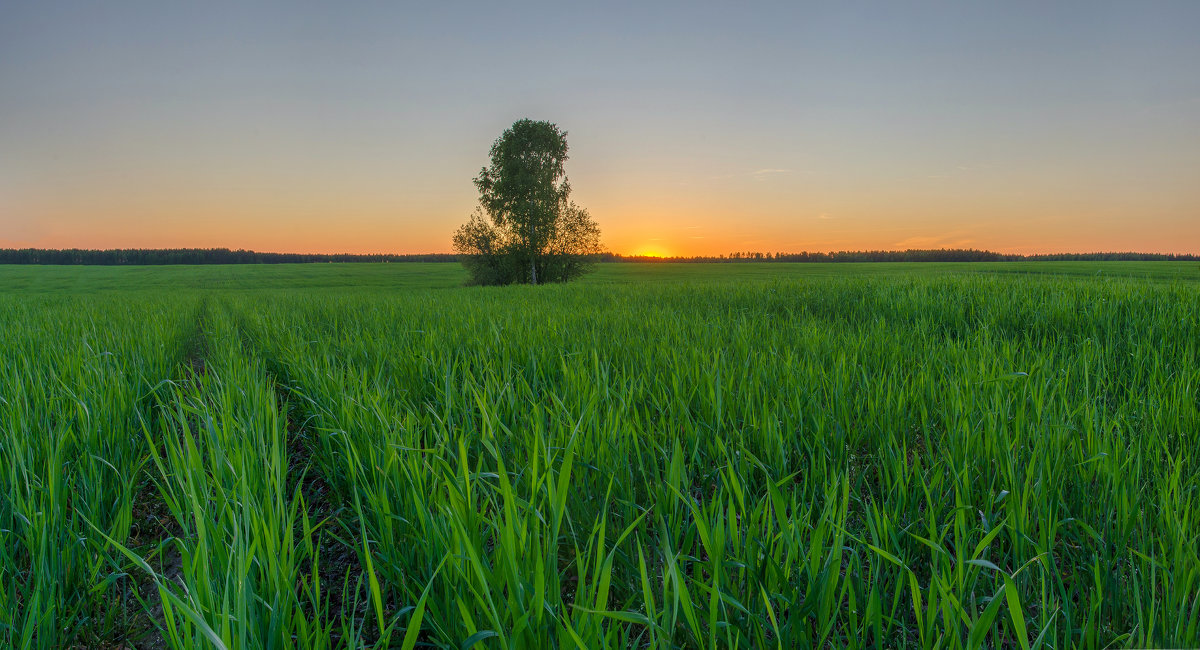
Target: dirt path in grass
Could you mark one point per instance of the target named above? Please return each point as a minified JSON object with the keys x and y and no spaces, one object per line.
{"x":344,"y":592}
{"x":344,"y":595}
{"x":339,"y":572}
{"x":154,"y":526}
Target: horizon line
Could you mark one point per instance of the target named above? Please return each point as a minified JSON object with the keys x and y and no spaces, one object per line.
{"x":726,"y":255}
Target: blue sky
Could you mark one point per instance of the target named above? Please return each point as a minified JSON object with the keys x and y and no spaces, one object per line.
{"x":694,"y":128}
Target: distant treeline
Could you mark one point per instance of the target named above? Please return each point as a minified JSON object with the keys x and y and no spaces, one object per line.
{"x":911,"y":255}
{"x":152,"y":256}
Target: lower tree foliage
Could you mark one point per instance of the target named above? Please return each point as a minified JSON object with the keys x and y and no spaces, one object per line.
{"x":493,"y":256}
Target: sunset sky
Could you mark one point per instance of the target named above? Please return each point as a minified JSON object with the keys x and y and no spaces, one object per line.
{"x":694,"y":128}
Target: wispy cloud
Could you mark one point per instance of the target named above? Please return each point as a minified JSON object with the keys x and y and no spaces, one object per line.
{"x":953,"y":239}
{"x":759,"y":174}
{"x":825,"y":215}
{"x":958,"y":170}
{"x":916,"y":242}
{"x":764,"y":174}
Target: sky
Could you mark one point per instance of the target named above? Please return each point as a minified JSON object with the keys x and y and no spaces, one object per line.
{"x":694,"y":128}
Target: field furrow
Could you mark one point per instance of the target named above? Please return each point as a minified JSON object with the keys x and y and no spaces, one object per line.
{"x":233,"y":573}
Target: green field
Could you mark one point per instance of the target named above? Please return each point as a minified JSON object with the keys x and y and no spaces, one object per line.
{"x":374,"y":277}
{"x":659,"y":456}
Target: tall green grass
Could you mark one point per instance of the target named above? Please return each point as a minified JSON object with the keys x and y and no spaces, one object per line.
{"x":73,"y":387}
{"x":910,"y":461}
{"x":953,"y":461}
{"x":239,"y":573}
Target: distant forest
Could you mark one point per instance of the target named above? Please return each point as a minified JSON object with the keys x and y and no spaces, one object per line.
{"x":154,"y":256}
{"x":915,"y":255}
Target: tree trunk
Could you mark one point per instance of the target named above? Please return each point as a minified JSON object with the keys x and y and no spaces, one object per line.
{"x":532,"y":252}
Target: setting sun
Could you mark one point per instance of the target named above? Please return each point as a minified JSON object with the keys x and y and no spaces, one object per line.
{"x":651,"y":251}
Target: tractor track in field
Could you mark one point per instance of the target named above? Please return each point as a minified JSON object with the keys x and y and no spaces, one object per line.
{"x":153,"y":524}
{"x":339,"y":571}
{"x":340,"y":575}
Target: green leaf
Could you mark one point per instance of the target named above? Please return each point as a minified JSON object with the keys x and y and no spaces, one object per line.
{"x":983,"y":624}
{"x":1016,"y":612}
{"x":986,"y":564}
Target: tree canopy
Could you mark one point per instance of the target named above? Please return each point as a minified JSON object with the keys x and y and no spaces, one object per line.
{"x":527,"y":229}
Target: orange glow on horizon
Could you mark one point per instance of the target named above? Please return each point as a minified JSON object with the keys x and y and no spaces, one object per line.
{"x":308,"y":210}
{"x":651,"y":251}
{"x":378,"y":234}
{"x":635,"y":224}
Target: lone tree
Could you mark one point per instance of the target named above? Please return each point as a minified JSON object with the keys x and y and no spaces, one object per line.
{"x":526,"y":228}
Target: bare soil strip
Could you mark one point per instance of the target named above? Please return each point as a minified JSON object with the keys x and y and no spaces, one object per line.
{"x":344,"y":592}
{"x":338,"y":565}
{"x":154,"y":527}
